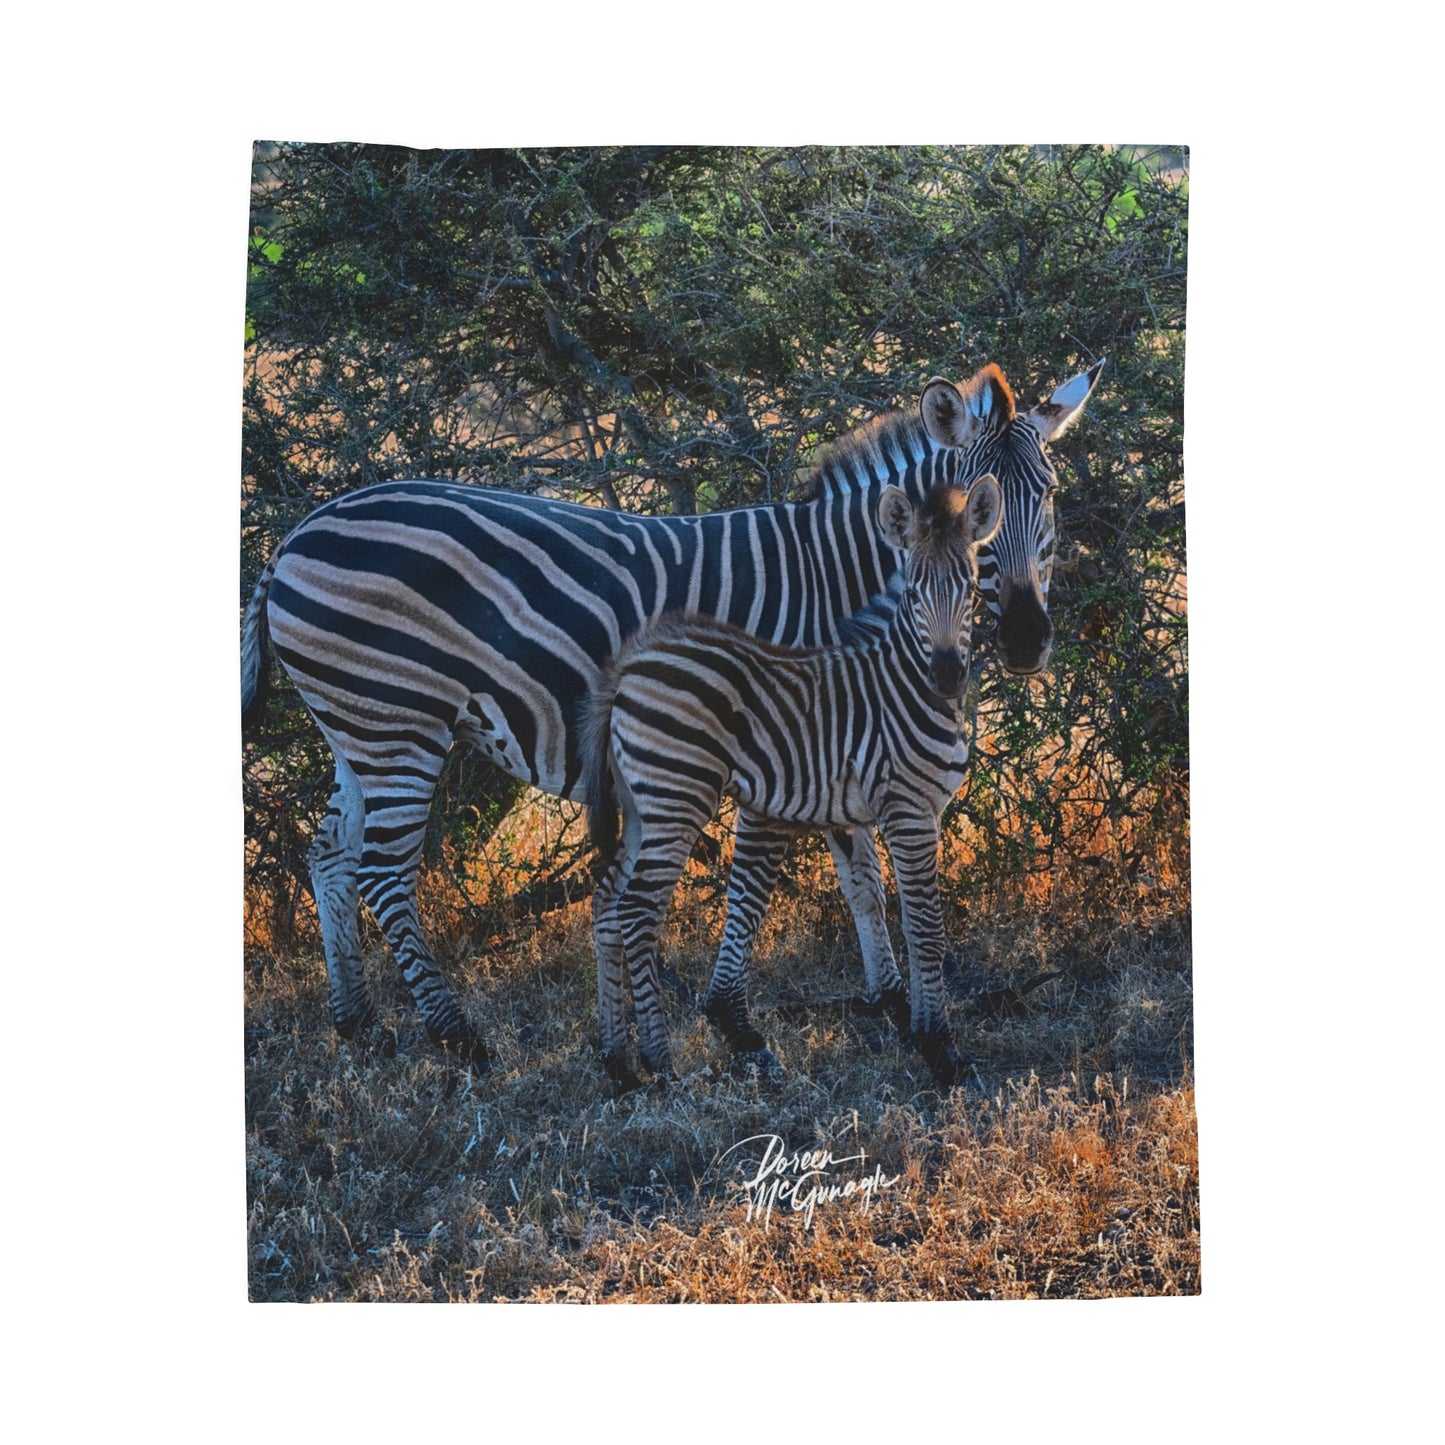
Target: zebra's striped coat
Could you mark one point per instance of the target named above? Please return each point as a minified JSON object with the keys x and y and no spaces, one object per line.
{"x":866,"y":732}
{"x":413,"y":614}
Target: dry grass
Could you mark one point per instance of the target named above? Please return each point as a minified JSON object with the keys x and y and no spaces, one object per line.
{"x":1068,"y":1167}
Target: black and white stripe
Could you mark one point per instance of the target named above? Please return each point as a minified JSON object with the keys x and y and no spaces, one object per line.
{"x":866,"y":732}
{"x":413,"y":614}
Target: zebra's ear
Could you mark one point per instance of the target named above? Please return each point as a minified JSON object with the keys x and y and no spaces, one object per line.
{"x":895,"y":517}
{"x":954,"y":415}
{"x":983,"y":513}
{"x":944,"y":418}
{"x":1054,"y":416}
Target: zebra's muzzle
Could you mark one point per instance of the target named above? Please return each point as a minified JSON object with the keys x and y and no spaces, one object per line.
{"x":948,"y":673}
{"x":1025,"y":634}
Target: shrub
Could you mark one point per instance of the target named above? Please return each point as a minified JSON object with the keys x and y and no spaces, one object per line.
{"x":680,"y":329}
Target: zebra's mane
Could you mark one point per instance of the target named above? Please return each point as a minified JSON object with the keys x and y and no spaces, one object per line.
{"x":875,"y":450}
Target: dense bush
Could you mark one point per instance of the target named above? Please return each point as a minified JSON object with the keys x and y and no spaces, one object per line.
{"x":602,"y":321}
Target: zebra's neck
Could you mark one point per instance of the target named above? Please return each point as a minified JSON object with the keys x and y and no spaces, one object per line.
{"x":891,"y":450}
{"x":882,"y":642}
{"x":840,"y":548}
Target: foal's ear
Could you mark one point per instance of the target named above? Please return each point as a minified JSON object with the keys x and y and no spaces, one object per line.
{"x":983,"y":513}
{"x":895,"y":517}
{"x":1054,"y":416}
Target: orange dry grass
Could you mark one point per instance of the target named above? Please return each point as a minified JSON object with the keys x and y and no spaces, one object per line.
{"x":1068,"y":1166}
{"x":1042,"y":1196}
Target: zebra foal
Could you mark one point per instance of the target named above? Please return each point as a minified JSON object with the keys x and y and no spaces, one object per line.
{"x":865,"y":732}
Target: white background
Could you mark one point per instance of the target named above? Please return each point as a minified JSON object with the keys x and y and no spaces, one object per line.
{"x":1313,"y":378}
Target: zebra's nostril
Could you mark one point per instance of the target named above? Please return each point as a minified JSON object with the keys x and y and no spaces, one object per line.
{"x":1024,"y":632}
{"x":947,"y":674}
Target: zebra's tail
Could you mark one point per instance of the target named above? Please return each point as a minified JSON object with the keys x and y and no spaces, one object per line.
{"x":599,"y":787}
{"x":256,"y":652}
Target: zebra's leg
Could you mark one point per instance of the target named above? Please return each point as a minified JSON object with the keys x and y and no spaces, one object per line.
{"x":912,"y":839}
{"x":611,"y":965}
{"x":392,"y":837}
{"x":759,"y":848}
{"x":333,"y":860}
{"x":860,"y":874}
{"x":660,"y":846}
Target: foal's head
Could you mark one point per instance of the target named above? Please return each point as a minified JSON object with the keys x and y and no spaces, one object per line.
{"x":941,"y":538}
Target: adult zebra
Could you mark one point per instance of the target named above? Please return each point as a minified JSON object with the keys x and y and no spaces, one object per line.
{"x":867,"y":731}
{"x":413,"y":614}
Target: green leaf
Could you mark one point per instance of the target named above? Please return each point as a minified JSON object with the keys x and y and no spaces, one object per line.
{"x":270,"y":249}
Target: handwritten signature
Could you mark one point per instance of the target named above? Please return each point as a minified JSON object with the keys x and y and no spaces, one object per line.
{"x":805,"y":1179}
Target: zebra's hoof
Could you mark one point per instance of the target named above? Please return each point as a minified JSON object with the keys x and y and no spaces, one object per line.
{"x":466,"y":1049}
{"x":356,"y":1025}
{"x":894,"y":1003}
{"x":660,"y":1067}
{"x":891,"y":1004}
{"x":621,"y":1074}
{"x":947,"y":1071}
{"x":758,"y":1063}
{"x":748,"y":1041}
{"x":730,"y":1021}
{"x":944,"y":1061}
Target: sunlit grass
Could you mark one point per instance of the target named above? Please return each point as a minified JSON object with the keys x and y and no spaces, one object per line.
{"x":1067,"y":1166}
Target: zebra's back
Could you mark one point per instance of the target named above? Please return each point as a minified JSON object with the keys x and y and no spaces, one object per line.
{"x":438,"y":610}
{"x":786,"y":731}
